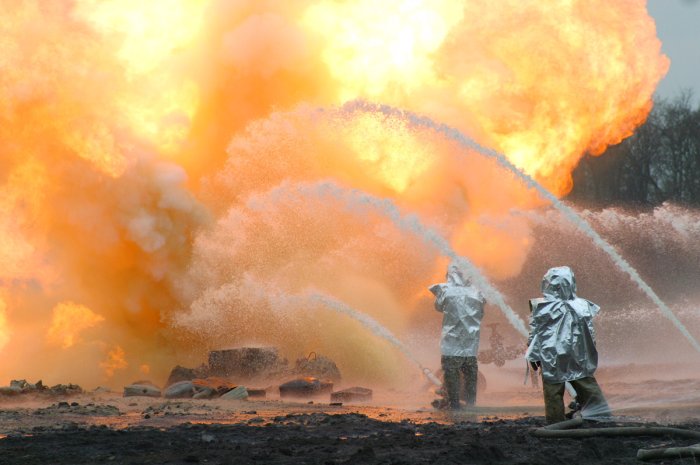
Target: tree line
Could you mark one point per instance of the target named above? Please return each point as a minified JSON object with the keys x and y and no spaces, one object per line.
{"x":659,"y":163}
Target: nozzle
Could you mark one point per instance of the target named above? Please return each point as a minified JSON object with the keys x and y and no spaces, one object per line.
{"x":434,"y":379}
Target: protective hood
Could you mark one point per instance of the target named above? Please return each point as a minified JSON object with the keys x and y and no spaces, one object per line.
{"x":456,"y":277}
{"x":562,"y":337}
{"x":462,"y":307}
{"x":559,"y":283}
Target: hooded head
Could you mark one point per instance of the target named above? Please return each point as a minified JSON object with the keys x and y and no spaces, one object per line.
{"x":456,"y":277}
{"x":559,"y":283}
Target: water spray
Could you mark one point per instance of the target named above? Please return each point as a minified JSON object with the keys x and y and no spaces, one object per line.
{"x":365,"y":320}
{"x":373,"y":325}
{"x":454,"y":134}
{"x":411,"y":223}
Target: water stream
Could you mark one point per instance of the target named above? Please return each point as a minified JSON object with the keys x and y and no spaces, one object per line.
{"x":567,"y":212}
{"x":354,"y":198}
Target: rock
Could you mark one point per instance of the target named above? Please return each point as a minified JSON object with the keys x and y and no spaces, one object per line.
{"x":180,"y":373}
{"x":317,"y":366}
{"x":18,"y":384}
{"x":305,"y":387}
{"x":246,"y":362}
{"x":9,"y":391}
{"x":179,"y":390}
{"x":257,"y":393}
{"x":146,"y":382}
{"x":218,"y":384}
{"x":145,"y":390}
{"x":101,"y":390}
{"x":65,"y":390}
{"x":239,"y":392}
{"x":204,"y":393}
{"x":353,"y":394}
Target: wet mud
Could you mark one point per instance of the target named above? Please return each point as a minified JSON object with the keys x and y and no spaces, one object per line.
{"x":320,"y":438}
{"x":395,"y":428}
{"x":150,"y":431}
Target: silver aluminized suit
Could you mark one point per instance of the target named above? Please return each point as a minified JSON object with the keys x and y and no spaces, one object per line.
{"x":462,"y":308}
{"x":562,"y":343}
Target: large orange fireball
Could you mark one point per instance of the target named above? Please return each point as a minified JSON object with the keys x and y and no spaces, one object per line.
{"x":151,"y":155}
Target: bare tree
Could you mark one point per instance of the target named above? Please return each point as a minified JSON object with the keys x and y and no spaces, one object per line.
{"x":660,"y":162}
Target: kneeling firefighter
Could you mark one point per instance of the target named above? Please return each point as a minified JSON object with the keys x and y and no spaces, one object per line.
{"x":462,"y":307}
{"x":562,"y":344}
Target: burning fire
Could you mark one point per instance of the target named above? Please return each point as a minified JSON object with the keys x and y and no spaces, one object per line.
{"x":4,"y":330}
{"x":136,"y":134}
{"x":115,"y":361}
{"x":68,"y":321}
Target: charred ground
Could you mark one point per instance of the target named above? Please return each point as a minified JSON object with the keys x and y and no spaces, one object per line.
{"x":319,"y":438}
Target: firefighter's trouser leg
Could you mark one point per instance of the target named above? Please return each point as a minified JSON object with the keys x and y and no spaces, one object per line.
{"x":450,"y":368}
{"x":470,"y":370}
{"x":553,"y":401}
{"x":455,"y":368}
{"x":588,"y":394}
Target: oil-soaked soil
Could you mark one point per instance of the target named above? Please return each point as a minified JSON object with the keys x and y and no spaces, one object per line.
{"x":394,"y":428}
{"x":319,"y":438}
{"x":95,"y":434}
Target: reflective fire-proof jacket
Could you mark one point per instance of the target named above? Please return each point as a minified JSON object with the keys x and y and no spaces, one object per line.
{"x":462,"y":308}
{"x":562,"y":337}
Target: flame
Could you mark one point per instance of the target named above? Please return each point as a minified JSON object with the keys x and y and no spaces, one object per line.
{"x":115,"y":361}
{"x":398,"y":157}
{"x":22,"y":196}
{"x":4,"y":327}
{"x":152,"y":34}
{"x":68,"y":321}
{"x":369,"y":50}
{"x":135,"y":135}
{"x":530,"y":79}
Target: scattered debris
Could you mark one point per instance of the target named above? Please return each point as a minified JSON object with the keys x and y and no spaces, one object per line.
{"x":353,"y":394}
{"x":76,"y":409}
{"x":170,"y":408}
{"x":204,"y":393}
{"x":257,"y":393}
{"x":237,"y":393}
{"x":214,"y":383}
{"x":180,"y":373}
{"x":138,"y":389}
{"x":305,"y":387}
{"x":179,"y":390}
{"x":247,"y":363}
{"x":22,"y":387}
{"x":317,"y":366}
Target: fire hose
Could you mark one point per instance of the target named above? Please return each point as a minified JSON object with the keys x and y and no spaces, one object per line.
{"x":564,"y":430}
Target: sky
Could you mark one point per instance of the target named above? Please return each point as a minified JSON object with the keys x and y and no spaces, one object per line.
{"x":678,"y":27}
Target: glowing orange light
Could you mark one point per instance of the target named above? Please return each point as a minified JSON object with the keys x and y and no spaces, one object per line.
{"x":68,"y":321}
{"x":4,"y":326}
{"x":115,"y":361}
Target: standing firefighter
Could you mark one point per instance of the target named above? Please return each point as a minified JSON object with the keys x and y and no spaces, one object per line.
{"x":462,"y":307}
{"x":562,"y":344}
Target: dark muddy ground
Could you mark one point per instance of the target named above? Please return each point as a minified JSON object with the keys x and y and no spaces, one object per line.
{"x":321,"y":438}
{"x":394,"y":428}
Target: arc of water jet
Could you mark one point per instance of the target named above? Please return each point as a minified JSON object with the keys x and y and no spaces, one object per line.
{"x":278,"y":297}
{"x":374,"y":326}
{"x":413,"y":224}
{"x":569,"y":213}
